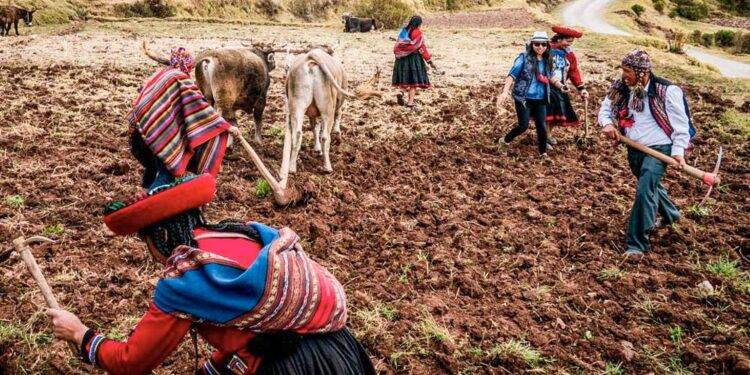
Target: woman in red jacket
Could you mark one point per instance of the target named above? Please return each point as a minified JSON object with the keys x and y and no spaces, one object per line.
{"x":248,"y":290}
{"x":410,"y":70}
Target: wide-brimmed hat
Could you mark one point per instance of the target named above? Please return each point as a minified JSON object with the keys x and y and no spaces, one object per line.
{"x":540,"y":36}
{"x":144,"y":210}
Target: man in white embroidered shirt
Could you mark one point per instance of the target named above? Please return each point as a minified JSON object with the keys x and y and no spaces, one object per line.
{"x":652,"y":111}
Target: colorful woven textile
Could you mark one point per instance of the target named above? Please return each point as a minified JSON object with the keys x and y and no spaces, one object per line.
{"x":406,"y":46}
{"x":178,"y":124}
{"x":282,"y":290}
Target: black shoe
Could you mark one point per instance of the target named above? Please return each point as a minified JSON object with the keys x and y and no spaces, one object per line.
{"x":400,"y":99}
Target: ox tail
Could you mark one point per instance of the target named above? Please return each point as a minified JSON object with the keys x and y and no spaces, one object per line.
{"x":204,"y":77}
{"x":329,"y":75}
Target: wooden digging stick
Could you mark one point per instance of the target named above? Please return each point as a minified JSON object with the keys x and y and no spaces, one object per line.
{"x":586,"y":118}
{"x":708,"y":178}
{"x":282,"y":195}
{"x":22,"y":246}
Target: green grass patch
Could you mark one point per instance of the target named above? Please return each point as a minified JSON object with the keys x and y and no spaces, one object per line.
{"x":675,"y":334}
{"x":612,"y":273}
{"x":431,"y":330}
{"x":698,"y":211}
{"x":724,"y":268}
{"x":613,"y":369}
{"x":518,"y":349}
{"x":14,"y":201}
{"x":54,"y":229}
{"x":262,"y":188}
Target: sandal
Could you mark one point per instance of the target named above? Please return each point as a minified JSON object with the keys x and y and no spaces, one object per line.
{"x":400,"y":99}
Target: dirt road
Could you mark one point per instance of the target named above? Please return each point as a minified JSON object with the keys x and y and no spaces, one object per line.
{"x":590,"y":14}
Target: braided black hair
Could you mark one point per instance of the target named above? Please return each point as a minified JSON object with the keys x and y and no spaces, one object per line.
{"x":178,"y":230}
{"x":175,"y":231}
{"x":145,"y":157}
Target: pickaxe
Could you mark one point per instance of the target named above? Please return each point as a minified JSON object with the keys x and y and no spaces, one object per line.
{"x":709,"y":178}
{"x":21,"y":245}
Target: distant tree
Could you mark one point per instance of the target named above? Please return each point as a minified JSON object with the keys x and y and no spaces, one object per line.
{"x":695,"y":37}
{"x":707,"y":40}
{"x":638,"y":9}
{"x":659,"y":6}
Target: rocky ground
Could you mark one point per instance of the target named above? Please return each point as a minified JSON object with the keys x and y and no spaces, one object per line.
{"x":456,"y":256}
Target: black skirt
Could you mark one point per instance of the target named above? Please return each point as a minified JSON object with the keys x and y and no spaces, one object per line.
{"x":560,"y":111}
{"x":321,"y":354}
{"x":411,"y":71}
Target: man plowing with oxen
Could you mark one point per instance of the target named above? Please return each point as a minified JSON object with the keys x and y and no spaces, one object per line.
{"x":654,"y":113}
{"x":248,"y":290}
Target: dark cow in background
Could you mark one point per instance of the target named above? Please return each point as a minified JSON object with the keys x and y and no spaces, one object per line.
{"x":11,"y":14}
{"x":233,"y":79}
{"x":359,"y":25}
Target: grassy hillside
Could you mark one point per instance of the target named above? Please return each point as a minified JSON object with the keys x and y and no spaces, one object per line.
{"x":393,"y":11}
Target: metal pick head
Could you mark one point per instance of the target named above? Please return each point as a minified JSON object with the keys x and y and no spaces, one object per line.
{"x":715,"y":172}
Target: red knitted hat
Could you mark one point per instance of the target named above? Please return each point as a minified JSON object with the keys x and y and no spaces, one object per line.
{"x":567,"y":32}
{"x":168,"y":201}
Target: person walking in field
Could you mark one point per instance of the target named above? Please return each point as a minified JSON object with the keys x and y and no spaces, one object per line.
{"x":249,"y":290}
{"x":654,"y":112}
{"x":560,"y":111}
{"x":410,"y":69}
{"x":530,"y":78}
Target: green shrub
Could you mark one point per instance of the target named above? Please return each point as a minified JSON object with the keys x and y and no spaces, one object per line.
{"x":707,"y":40}
{"x":659,"y":6}
{"x":695,"y":37}
{"x":724,"y":38}
{"x":694,"y":10}
{"x":311,"y":9}
{"x":270,"y":8}
{"x":742,"y":42}
{"x":740,"y":7}
{"x":638,"y":9}
{"x":147,"y":8}
{"x":392,"y":13}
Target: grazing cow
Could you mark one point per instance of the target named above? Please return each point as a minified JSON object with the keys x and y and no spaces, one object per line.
{"x":11,"y":14}
{"x":316,"y":87}
{"x":234,"y":79}
{"x":359,"y":25}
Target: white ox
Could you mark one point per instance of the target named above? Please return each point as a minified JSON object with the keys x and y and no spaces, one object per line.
{"x":316,"y":87}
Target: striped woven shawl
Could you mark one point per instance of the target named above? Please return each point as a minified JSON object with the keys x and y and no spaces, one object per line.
{"x":283,"y":290}
{"x":406,"y":46}
{"x":178,"y":124}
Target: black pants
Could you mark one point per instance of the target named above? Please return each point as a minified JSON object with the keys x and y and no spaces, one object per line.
{"x":537,"y":109}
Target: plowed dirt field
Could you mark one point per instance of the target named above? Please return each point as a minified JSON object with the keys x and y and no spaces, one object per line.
{"x":456,"y":256}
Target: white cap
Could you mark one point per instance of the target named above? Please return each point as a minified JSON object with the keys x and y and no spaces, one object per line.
{"x":540,"y":36}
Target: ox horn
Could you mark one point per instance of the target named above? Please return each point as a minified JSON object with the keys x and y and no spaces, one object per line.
{"x":153,"y":56}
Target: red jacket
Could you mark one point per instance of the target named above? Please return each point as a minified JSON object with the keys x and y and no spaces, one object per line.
{"x":158,"y":334}
{"x":574,"y":72}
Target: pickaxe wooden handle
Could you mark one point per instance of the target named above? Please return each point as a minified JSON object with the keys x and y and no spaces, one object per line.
{"x":22,"y":246}
{"x":708,"y":178}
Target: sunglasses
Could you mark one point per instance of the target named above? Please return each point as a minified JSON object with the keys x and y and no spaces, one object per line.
{"x":539,"y":44}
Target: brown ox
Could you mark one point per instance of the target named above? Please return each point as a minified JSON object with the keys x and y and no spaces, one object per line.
{"x":316,"y":87}
{"x":11,"y":14}
{"x":234,"y":79}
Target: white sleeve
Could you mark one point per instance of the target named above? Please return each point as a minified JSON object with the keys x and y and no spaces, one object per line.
{"x":605,"y":113}
{"x":678,"y":119}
